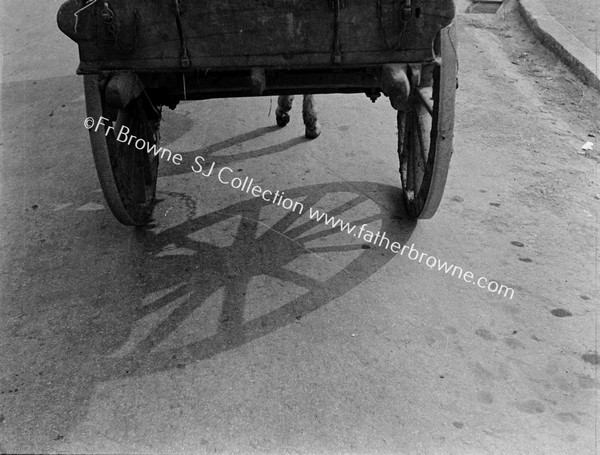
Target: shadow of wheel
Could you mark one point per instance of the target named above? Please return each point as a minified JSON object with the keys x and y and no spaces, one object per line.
{"x":261,"y":249}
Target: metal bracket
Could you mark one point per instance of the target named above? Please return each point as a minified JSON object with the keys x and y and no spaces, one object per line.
{"x":333,"y":3}
{"x":107,"y":14}
{"x":407,"y":10}
{"x":184,"y":59}
{"x":76,"y":14}
{"x":336,"y":6}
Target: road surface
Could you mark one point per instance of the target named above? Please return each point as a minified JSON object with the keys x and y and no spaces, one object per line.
{"x":233,"y":326}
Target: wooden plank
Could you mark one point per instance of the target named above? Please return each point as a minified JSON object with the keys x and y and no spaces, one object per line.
{"x":234,"y":28}
{"x":253,"y":33}
{"x":365,"y":27}
{"x":356,"y":59}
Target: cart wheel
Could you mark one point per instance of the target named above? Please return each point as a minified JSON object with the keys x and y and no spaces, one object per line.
{"x":127,"y":174}
{"x":425,"y":130}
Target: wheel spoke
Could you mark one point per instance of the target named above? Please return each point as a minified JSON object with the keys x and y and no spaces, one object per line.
{"x":296,"y":278}
{"x":348,"y":205}
{"x":424,"y":155}
{"x":425,"y":98}
{"x":412,"y":157}
{"x":336,"y":248}
{"x":308,"y":225}
{"x":336,"y":230}
{"x":401,"y":121}
{"x":232,"y":310}
{"x":422,"y":142}
{"x":291,"y":217}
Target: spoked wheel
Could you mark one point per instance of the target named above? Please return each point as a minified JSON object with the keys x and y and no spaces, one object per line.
{"x":425,"y":130}
{"x":127,"y":171}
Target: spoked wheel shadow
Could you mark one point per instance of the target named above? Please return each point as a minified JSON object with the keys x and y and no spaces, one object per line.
{"x":310,"y":263}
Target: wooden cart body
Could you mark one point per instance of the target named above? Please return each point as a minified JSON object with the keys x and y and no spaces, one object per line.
{"x":315,"y":46}
{"x":140,"y":55}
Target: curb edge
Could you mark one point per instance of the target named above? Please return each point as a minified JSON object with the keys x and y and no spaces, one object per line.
{"x":581,"y":60}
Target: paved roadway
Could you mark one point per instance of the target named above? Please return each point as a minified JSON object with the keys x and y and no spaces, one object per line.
{"x":214,"y":333}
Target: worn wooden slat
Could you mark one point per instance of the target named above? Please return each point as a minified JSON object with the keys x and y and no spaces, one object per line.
{"x":357,"y":59}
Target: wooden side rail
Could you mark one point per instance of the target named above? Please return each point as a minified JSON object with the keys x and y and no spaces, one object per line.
{"x":170,"y":35}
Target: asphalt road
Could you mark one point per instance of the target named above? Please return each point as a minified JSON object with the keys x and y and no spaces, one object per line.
{"x":231,"y":326}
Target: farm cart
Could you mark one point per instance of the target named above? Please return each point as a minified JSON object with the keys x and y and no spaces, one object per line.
{"x":137,"y":56}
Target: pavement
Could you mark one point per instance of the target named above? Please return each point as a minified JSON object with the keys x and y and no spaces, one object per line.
{"x":231,"y":328}
{"x":570,"y":30}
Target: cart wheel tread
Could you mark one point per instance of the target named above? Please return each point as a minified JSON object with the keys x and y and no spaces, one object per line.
{"x":127,"y":174}
{"x":425,"y":131}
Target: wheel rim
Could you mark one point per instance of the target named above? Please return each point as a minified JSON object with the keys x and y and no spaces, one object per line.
{"x":127,"y":174}
{"x":425,"y":130}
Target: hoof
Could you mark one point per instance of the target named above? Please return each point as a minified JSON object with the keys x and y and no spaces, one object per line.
{"x":283,"y":118}
{"x":313,"y":132}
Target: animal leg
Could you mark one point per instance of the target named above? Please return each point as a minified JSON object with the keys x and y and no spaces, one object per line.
{"x":284,"y":104}
{"x":309,"y":114}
